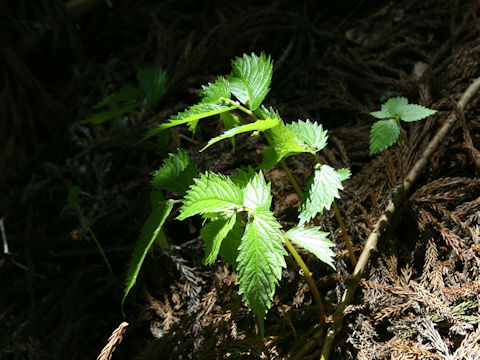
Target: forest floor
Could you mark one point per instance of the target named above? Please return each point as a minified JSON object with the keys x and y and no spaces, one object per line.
{"x":420,"y":295}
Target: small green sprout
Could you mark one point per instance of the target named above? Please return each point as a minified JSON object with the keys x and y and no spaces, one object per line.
{"x":386,"y":131}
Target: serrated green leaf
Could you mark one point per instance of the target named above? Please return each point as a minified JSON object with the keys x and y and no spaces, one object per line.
{"x":212,"y":93}
{"x":414,"y":112}
{"x":257,"y":195}
{"x":380,"y":115}
{"x":176,"y":173}
{"x":156,"y":197}
{"x":250,"y":79}
{"x":270,"y":158}
{"x":126,"y":93}
{"x":310,"y":133}
{"x":192,"y":114}
{"x":263,"y":113}
{"x":315,"y":241}
{"x":103,"y":116}
{"x":260,"y":262}
{"x":322,"y":189}
{"x":152,"y":80}
{"x":391,"y":108}
{"x":399,"y":108}
{"x":259,"y":125}
{"x":243,"y":177}
{"x":344,"y":174}
{"x":230,"y":245}
{"x":394,"y":105}
{"x":383,"y":134}
{"x":212,"y":193}
{"x":213,"y":234}
{"x":149,"y":233}
{"x":229,"y":122}
{"x":285,"y":144}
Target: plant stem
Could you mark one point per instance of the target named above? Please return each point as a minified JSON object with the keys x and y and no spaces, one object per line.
{"x":287,"y":170}
{"x":338,"y":215}
{"x":310,"y":281}
{"x":345,"y":235}
{"x":237,"y":105}
{"x":400,"y":149}
{"x":290,"y":177}
{"x":99,"y":246}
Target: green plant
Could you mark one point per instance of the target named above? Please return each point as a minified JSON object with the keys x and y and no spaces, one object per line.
{"x":386,"y":131}
{"x":244,"y":230}
{"x":239,"y":224}
{"x":151,"y":80}
{"x":72,"y":202}
{"x":249,"y":82}
{"x":175,"y":175}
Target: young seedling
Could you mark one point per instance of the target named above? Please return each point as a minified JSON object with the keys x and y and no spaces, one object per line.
{"x":386,"y":131}
{"x":239,"y":223}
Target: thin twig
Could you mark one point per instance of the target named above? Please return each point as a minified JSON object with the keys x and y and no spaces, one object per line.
{"x":388,"y":214}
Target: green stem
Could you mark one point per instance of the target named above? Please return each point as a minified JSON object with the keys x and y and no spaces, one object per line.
{"x":287,"y":170}
{"x":291,"y":178}
{"x":400,"y":148}
{"x":345,"y":235}
{"x":237,"y":105}
{"x":309,"y":279}
{"x":338,"y":215}
{"x":85,"y":223}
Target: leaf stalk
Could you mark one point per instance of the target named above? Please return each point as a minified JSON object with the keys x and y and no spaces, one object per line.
{"x":309,"y":279}
{"x":237,"y":105}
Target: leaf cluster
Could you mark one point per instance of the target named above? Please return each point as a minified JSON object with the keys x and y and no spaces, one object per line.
{"x":253,"y":248}
{"x":249,"y":82}
{"x":238,"y":222}
{"x":386,"y":131}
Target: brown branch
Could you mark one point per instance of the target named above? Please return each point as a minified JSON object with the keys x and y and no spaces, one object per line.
{"x":399,"y":195}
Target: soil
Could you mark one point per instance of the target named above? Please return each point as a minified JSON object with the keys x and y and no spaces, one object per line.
{"x":334,"y":63}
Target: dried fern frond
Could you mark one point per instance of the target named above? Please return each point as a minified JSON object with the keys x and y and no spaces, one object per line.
{"x":113,"y":341}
